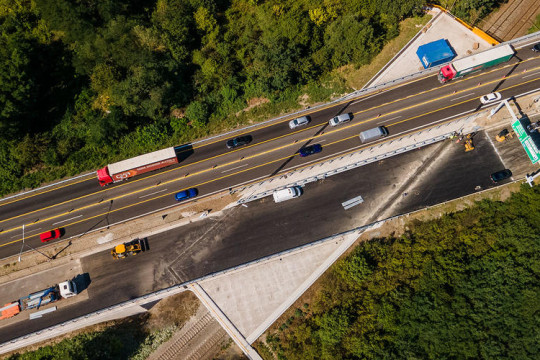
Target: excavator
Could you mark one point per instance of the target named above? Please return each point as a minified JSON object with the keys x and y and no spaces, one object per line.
{"x":503,"y":135}
{"x":469,"y":142}
{"x":123,"y":250}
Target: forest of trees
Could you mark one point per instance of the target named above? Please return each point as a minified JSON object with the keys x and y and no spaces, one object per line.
{"x":464,"y":286}
{"x":86,"y":82}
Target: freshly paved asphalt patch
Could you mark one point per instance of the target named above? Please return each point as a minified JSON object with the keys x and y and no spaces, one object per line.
{"x":263,"y":228}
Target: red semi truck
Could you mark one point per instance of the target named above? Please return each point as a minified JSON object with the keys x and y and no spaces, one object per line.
{"x":475,"y":62}
{"x":125,"y":169}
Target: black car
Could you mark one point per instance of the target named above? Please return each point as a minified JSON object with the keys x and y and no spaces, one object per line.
{"x":308,"y":150}
{"x":239,"y":141}
{"x":500,"y":175}
{"x":536,"y":48}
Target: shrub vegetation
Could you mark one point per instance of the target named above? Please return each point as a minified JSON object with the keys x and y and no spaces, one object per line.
{"x":464,"y":286}
{"x":84,"y":83}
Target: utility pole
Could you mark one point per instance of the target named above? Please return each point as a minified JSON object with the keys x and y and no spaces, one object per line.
{"x":22,"y":246}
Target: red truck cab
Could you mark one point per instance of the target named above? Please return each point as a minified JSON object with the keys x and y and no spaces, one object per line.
{"x":446,"y":73}
{"x":103,"y":176}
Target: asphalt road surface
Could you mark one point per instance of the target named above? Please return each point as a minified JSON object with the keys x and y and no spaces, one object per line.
{"x":81,"y":206}
{"x":400,"y":184}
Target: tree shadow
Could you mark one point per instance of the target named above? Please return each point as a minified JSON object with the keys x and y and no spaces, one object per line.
{"x":500,"y":83}
{"x":118,"y":342}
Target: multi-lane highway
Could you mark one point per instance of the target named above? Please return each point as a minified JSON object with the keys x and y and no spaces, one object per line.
{"x":244,"y":234}
{"x":82,"y":205}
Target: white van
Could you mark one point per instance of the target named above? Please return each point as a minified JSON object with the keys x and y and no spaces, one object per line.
{"x":287,"y":193}
{"x":373,"y":134}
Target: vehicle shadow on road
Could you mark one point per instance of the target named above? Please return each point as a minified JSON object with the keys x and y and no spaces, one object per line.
{"x":82,"y":281}
{"x":145,"y":246}
{"x":319,"y":132}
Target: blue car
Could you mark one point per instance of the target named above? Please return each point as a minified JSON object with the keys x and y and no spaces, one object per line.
{"x":308,"y":150}
{"x":186,"y":194}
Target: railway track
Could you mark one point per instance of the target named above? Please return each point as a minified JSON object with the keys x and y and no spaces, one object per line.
{"x":512,"y":20}
{"x":197,"y":340}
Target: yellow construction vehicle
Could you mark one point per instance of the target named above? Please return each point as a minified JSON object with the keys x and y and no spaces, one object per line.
{"x":503,"y":135}
{"x":469,"y":143}
{"x":123,"y":250}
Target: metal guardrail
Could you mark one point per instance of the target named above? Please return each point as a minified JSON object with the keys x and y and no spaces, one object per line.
{"x":184,"y":286}
{"x":524,"y":38}
{"x":430,"y":70}
{"x":347,"y":167}
{"x":160,"y":293}
{"x":311,"y":109}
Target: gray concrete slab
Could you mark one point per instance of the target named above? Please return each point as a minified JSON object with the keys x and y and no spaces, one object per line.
{"x":250,"y":295}
{"x":225,"y":322}
{"x":26,"y":285}
{"x":254,"y":297}
{"x":462,"y":40}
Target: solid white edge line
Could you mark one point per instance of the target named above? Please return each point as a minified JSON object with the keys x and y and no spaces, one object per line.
{"x":496,"y":151}
{"x":155,"y":192}
{"x":462,"y":96}
{"x":75,"y":217}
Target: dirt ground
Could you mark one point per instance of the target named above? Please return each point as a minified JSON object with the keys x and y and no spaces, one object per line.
{"x":174,"y":310}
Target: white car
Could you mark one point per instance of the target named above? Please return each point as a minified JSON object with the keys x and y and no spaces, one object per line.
{"x":489,"y":98}
{"x":340,"y":119}
{"x":304,"y":120}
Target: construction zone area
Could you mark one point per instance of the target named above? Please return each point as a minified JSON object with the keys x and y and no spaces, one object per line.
{"x":131,"y":248}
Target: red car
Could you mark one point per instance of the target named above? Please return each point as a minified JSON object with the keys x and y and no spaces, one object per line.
{"x":50,"y":235}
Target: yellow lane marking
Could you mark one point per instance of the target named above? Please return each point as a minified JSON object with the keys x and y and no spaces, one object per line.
{"x":342,"y":128}
{"x":270,"y":124}
{"x":282,"y":136}
{"x":273,"y":161}
{"x":430,"y":112}
{"x":452,"y":95}
{"x":23,"y":197}
{"x":472,"y":76}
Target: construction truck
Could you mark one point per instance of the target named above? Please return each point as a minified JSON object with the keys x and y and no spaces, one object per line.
{"x":123,"y":250}
{"x":37,"y":299}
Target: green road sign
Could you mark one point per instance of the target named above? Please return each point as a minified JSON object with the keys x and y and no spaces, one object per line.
{"x":526,"y":141}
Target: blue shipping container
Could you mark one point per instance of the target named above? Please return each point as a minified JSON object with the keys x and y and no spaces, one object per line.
{"x":435,"y":53}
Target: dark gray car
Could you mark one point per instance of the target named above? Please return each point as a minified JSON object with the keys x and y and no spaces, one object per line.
{"x":239,"y":141}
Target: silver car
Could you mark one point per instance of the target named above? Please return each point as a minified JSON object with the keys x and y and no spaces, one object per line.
{"x":340,"y":119}
{"x":304,"y":120}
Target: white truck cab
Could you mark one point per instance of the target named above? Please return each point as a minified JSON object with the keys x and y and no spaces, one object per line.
{"x":67,"y":289}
